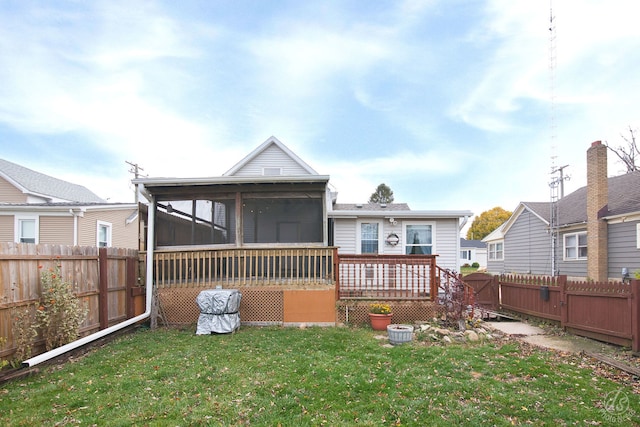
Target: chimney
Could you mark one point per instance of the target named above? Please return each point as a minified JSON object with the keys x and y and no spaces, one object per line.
{"x":597,"y":207}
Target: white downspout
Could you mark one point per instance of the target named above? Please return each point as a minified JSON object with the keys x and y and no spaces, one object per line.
{"x":90,"y":338}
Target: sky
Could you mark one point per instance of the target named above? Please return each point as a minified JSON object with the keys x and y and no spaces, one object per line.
{"x":453,"y":104}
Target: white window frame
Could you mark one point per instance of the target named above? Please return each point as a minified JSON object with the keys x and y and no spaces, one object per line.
{"x":359,"y":235}
{"x":465,"y":254}
{"x":493,"y":251}
{"x":638,"y":235}
{"x":576,"y":247}
{"x":406,"y":244}
{"x":18,"y":227}
{"x":109,"y":227}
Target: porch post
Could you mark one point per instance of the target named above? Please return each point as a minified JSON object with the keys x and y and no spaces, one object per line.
{"x":239,"y":226}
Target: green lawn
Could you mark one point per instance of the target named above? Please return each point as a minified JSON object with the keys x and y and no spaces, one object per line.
{"x":310,"y":377}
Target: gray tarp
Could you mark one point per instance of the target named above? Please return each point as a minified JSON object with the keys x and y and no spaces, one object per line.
{"x":219,"y":311}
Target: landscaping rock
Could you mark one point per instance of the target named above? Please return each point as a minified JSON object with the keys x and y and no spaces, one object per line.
{"x":471,"y":335}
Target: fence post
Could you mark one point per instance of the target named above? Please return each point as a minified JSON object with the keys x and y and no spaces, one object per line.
{"x":132,"y":268}
{"x":495,"y":292}
{"x":336,"y":272}
{"x":635,"y":316}
{"x":433,"y":291}
{"x":103,"y":289}
{"x":564,"y":308}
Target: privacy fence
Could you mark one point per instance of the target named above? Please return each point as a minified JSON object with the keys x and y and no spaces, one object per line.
{"x":105,"y":280}
{"x":608,"y":312}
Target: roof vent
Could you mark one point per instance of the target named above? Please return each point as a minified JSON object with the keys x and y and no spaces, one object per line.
{"x":383,"y":205}
{"x":359,"y":205}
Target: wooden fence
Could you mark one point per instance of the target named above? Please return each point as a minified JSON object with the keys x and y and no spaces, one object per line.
{"x":608,"y":312}
{"x":105,"y":280}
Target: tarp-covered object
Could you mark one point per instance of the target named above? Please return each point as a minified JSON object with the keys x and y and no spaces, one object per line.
{"x":219,"y":311}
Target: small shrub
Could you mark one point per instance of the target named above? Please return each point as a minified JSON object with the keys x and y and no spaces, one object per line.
{"x":24,"y":331}
{"x":59,"y":314}
{"x":475,"y":265}
{"x":3,"y":362}
{"x":465,"y":265}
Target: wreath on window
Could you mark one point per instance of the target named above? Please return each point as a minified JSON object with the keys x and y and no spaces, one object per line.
{"x":392,"y":239}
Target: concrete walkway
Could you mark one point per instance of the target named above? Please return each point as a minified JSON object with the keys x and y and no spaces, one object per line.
{"x":538,"y":336}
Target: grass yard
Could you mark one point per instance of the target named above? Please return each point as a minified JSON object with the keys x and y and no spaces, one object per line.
{"x":312,"y":377}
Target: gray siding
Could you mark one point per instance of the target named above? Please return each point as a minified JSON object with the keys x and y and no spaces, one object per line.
{"x":494,"y":267}
{"x":572,"y":268}
{"x":527,"y":246}
{"x":623,"y":251}
{"x":272,"y":157}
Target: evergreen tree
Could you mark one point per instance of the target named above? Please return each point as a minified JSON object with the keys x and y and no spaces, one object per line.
{"x":383,"y":194}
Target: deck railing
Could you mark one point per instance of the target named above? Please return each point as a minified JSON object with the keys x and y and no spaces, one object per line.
{"x":246,"y":267}
{"x":407,"y":277}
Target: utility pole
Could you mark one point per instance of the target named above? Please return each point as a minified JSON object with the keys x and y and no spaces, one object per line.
{"x":135,"y":170}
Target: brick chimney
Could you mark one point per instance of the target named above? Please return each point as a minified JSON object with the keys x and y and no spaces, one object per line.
{"x":597,"y":207}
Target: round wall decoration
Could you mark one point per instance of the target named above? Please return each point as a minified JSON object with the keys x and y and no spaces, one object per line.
{"x":392,"y":239}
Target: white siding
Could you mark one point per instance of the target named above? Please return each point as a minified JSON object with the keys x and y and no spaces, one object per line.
{"x":272,"y":157}
{"x":344,"y":235}
{"x":447,"y":244}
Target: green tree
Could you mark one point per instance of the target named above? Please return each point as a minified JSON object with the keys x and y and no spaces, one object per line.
{"x":383,"y":194}
{"x":486,"y":222}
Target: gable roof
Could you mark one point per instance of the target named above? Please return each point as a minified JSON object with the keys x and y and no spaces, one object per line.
{"x":371,"y":207}
{"x":261,"y":151}
{"x":464,"y":243}
{"x":45,"y":186}
{"x":624,"y":198}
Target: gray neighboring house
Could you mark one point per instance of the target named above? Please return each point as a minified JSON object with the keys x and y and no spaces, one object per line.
{"x":38,"y":208}
{"x":599,"y":229}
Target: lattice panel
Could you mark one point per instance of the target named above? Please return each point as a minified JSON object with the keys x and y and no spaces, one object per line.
{"x":178,"y":305}
{"x":261,"y":305}
{"x":403,"y":312}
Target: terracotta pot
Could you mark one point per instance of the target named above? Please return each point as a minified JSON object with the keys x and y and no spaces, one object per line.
{"x":379,"y":322}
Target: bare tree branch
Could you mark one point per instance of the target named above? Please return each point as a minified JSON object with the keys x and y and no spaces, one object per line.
{"x":628,"y":154}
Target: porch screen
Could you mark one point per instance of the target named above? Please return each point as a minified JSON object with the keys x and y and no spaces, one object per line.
{"x":282,"y":220}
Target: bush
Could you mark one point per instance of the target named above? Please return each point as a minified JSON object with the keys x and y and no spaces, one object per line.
{"x":24,"y":331}
{"x":475,"y":265}
{"x":59,"y":314}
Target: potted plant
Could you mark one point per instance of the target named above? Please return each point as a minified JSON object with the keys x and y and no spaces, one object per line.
{"x":380,"y":316}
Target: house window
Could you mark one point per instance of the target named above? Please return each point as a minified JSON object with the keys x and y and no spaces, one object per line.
{"x":496,"y":252}
{"x":26,"y":229}
{"x":369,"y":237}
{"x":419,"y":239}
{"x":104,"y":234}
{"x":465,"y":254}
{"x":575,"y":246}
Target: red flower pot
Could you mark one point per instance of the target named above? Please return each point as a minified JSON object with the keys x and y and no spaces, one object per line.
{"x":379,"y":322}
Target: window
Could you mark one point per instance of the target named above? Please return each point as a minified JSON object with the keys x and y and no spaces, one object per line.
{"x":104,"y":234}
{"x":26,"y":229}
{"x":638,"y":235}
{"x":496,"y":253}
{"x":419,"y":239}
{"x":369,"y":237}
{"x":575,"y":246}
{"x":465,"y":254}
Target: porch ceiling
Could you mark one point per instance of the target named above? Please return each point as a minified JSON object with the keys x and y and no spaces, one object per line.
{"x":204,"y":188}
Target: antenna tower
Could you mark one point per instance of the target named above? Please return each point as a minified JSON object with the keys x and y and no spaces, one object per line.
{"x":557,"y":173}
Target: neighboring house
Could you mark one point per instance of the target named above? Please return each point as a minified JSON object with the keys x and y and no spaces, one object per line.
{"x":37,"y":208}
{"x":598,"y":229}
{"x":473,"y":251}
